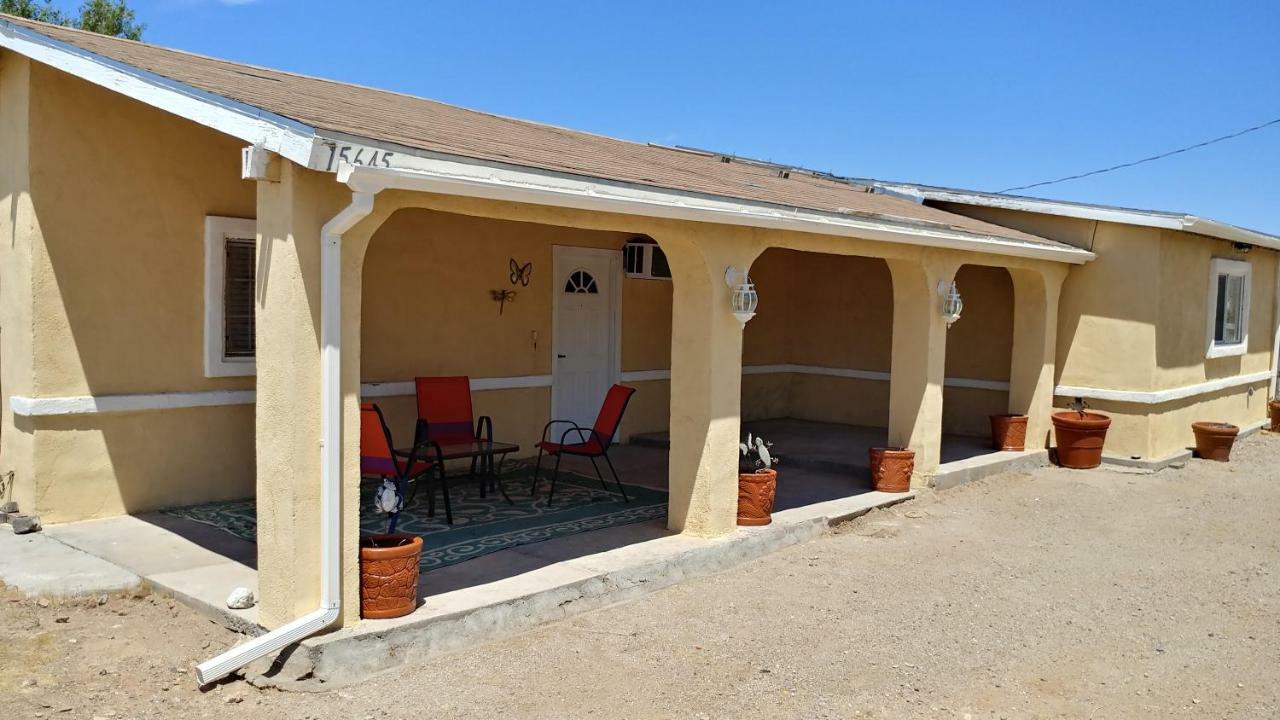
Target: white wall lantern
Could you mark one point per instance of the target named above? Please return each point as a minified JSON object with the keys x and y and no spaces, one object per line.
{"x":745,"y":299}
{"x":952,"y":304}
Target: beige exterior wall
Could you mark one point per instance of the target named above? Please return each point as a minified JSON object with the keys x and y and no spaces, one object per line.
{"x":18,"y":231}
{"x":427,"y":310}
{"x":1135,"y":319}
{"x":116,"y":200}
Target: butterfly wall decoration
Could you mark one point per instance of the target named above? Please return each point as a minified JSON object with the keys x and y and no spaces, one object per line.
{"x":520,"y":274}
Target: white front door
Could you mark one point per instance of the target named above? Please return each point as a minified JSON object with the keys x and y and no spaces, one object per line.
{"x":585,"y":334}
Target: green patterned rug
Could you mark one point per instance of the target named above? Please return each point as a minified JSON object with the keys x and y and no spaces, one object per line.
{"x":480,"y":525}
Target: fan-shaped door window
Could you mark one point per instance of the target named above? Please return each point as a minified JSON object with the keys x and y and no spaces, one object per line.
{"x":580,"y":281}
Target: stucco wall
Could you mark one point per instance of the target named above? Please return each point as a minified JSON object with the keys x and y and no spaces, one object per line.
{"x":427,"y":310}
{"x":18,"y":226}
{"x":832,"y":311}
{"x":120,"y":191}
{"x":1135,"y":319}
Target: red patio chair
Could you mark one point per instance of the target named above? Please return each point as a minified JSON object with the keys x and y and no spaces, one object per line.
{"x":378,"y":458}
{"x":444,"y":409}
{"x":590,"y":444}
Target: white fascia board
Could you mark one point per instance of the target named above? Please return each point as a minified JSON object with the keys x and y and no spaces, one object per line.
{"x":279,"y":134}
{"x":1157,"y":397}
{"x":1122,"y":216}
{"x":471,"y":179}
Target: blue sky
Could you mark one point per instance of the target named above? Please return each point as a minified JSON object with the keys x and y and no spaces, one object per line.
{"x":982,"y":96}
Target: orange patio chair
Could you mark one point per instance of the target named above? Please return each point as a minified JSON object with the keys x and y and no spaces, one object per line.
{"x":444,"y":409}
{"x":378,"y":459}
{"x":590,"y":444}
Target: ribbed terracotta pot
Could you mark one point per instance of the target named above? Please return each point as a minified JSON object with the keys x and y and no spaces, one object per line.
{"x":1273,"y":408}
{"x":1214,"y":440}
{"x":1009,"y":432}
{"x":389,"y":575}
{"x":756,"y":493}
{"x":891,"y":469}
{"x":1080,"y":436}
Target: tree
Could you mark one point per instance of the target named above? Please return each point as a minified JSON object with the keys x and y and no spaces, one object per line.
{"x":107,"y":17}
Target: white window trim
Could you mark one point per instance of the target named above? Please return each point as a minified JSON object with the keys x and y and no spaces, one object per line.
{"x":216,"y":232}
{"x":1240,"y":268}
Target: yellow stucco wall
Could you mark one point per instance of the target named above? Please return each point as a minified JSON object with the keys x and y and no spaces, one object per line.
{"x":18,"y":228}
{"x":427,"y":310}
{"x":119,"y":192}
{"x":1135,"y":319}
{"x":833,"y":311}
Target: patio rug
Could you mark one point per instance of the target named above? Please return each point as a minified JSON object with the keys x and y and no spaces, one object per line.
{"x":480,"y":525}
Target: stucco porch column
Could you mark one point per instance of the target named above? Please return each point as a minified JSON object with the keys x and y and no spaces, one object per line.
{"x":1035,"y":337}
{"x":706,"y":379}
{"x":291,"y":213}
{"x":918,"y":361}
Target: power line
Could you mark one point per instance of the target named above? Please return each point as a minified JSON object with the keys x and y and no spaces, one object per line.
{"x":1145,"y":160}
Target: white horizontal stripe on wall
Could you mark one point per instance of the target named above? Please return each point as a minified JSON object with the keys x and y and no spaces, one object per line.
{"x":96,"y":404}
{"x":643,"y":375}
{"x":1156,"y":397}
{"x":397,"y":389}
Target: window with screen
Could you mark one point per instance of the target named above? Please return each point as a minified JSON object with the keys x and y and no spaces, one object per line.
{"x":230,"y":259}
{"x":1229,"y":282}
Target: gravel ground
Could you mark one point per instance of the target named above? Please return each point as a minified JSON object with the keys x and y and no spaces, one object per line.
{"x":1054,"y":593}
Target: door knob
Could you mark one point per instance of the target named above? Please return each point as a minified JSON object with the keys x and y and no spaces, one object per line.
{"x":561,"y":356}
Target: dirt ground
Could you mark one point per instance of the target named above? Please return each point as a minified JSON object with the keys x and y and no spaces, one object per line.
{"x":1055,"y":593}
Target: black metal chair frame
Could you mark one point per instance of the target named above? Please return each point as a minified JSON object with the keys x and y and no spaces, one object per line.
{"x":483,"y":432}
{"x":406,"y":476}
{"x":584,"y":435}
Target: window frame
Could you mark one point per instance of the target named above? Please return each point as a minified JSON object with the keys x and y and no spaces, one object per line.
{"x":1235,"y":268}
{"x":216,"y":232}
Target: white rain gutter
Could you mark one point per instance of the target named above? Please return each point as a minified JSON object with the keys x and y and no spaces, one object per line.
{"x":470,"y":179}
{"x":1123,"y":216}
{"x":322,"y":617}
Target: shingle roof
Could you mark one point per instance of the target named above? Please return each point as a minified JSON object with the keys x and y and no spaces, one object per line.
{"x":390,"y":117}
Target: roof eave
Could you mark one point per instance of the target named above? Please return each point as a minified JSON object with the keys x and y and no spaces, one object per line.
{"x":466,"y":179}
{"x":1124,"y":216}
{"x":284,"y":136}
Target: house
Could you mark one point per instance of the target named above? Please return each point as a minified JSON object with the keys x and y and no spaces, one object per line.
{"x":208,"y":265}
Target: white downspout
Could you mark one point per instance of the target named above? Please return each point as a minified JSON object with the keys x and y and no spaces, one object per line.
{"x":237,"y":657}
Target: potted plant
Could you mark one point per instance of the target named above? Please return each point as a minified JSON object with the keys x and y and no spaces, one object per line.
{"x":389,"y":562}
{"x":1214,"y":440}
{"x":1273,"y":409}
{"x":757,"y":482}
{"x":1009,"y":432}
{"x":891,"y":468}
{"x":1080,"y":436}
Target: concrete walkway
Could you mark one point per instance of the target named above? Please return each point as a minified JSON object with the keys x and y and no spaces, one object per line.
{"x":39,"y":565}
{"x":197,"y":564}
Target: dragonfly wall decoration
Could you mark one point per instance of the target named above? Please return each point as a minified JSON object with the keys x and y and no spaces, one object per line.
{"x":502,"y":297}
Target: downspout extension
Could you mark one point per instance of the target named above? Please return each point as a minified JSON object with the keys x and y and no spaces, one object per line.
{"x":237,"y":657}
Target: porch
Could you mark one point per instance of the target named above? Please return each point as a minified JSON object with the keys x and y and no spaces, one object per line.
{"x":198,"y":557}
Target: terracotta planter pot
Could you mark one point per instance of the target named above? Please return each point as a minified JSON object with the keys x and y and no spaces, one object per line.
{"x":389,"y":575}
{"x":891,"y":469}
{"x":1009,"y":432}
{"x":1214,"y":440}
{"x":1273,"y":407}
{"x":756,"y":493}
{"x":1080,"y":438}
